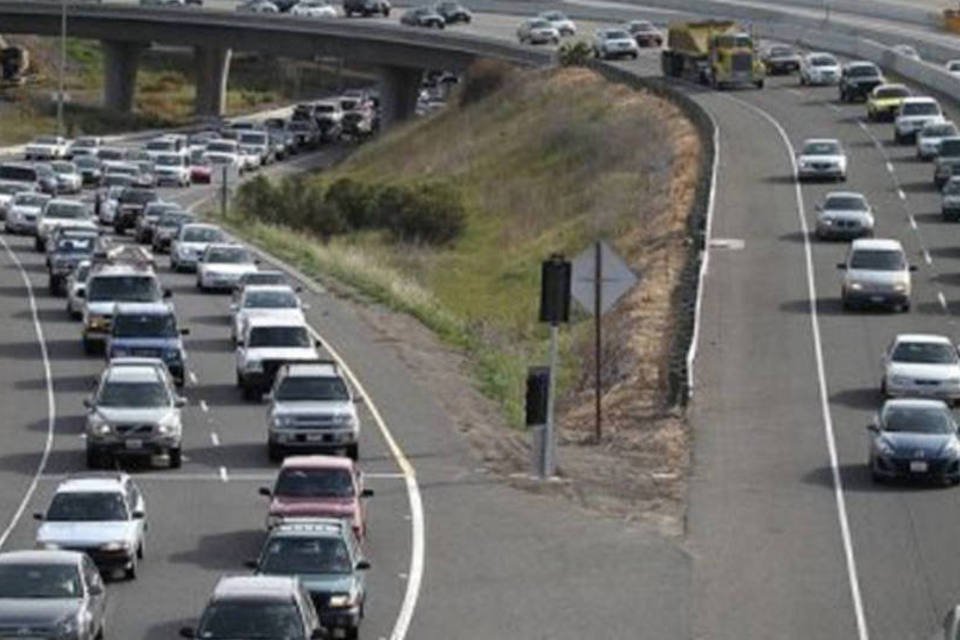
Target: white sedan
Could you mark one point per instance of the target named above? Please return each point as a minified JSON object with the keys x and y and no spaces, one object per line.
{"x":930,"y":137}
{"x":46,"y":148}
{"x":819,"y":69}
{"x":222,"y":265}
{"x":921,"y":365}
{"x":614,"y":43}
{"x":314,"y":9}
{"x":822,"y":158}
{"x":262,"y":300}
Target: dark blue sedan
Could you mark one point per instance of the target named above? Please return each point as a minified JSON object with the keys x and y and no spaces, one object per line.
{"x":915,"y":438}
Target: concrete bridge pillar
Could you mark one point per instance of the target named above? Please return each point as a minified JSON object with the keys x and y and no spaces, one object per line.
{"x":120,"y":61}
{"x":213,"y":70}
{"x":399,"y":88}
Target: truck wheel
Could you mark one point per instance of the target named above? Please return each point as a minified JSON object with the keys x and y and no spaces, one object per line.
{"x":176,"y":458}
{"x":759,"y":84}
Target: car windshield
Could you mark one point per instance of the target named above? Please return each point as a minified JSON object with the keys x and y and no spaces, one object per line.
{"x":11,"y":188}
{"x":251,"y":620}
{"x":109,"y":154}
{"x":554,"y":16}
{"x":920,"y":109}
{"x":952,"y":188}
{"x":821,"y":149}
{"x":781,"y":51}
{"x":950,"y":147}
{"x":319,"y":388}
{"x":145,"y":325}
{"x":300,"y":555}
{"x":279,"y":337}
{"x":263,"y":277}
{"x":326,"y":108}
{"x":863,"y":70}
{"x":136,"y":395}
{"x":173,"y":220}
{"x":845,"y":203}
{"x":34,"y":581}
{"x":87,"y":506}
{"x":169,"y":160}
{"x":939,"y":130}
{"x":74,"y":245}
{"x":138,"y":196}
{"x":933,"y":420}
{"x":30,"y":199}
{"x":222,"y":147}
{"x":253,"y":138}
{"x":65,"y":210}
{"x":315,"y":483}
{"x":924,"y":353}
{"x":201,"y":234}
{"x":64,"y":167}
{"x":617,"y":35}
{"x":47,"y":140}
{"x":823,"y":61}
{"x":160,"y":145}
{"x":87,"y":162}
{"x":117,"y":180}
{"x":123,"y":289}
{"x":228,"y":255}
{"x":540,"y":24}
{"x":270,"y":300}
{"x":878,"y":260}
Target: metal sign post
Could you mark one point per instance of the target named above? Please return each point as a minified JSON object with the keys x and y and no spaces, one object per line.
{"x":555,"y":275}
{"x":600,"y":279}
{"x":224,"y":191}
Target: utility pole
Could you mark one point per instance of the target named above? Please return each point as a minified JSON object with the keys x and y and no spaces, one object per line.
{"x":63,"y":65}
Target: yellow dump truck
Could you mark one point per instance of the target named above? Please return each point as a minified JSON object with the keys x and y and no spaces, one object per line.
{"x":715,"y":52}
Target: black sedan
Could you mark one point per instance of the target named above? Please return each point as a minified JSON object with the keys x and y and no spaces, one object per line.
{"x":423,"y":17}
{"x":454,"y":12}
{"x":915,"y":438}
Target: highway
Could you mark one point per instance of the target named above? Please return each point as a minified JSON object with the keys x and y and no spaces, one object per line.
{"x":775,"y":548}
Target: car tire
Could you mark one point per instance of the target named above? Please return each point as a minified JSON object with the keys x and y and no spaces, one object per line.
{"x":38,"y":244}
{"x":89,"y":347}
{"x":176,"y":458}
{"x":130,"y":573}
{"x":140,"y":551}
{"x":351,"y":633}
{"x":274,"y":452}
{"x":353,"y":452}
{"x":874,"y":476}
{"x":250,"y":394}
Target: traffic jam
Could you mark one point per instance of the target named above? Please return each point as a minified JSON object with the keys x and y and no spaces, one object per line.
{"x":97,"y":213}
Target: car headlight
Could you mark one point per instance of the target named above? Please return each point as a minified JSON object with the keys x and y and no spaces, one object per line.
{"x":273,"y":521}
{"x":344,"y":419}
{"x":116,"y":546}
{"x":68,"y":626}
{"x":283,"y":422}
{"x":856,"y":286}
{"x":885,"y":449}
{"x":952,"y":450}
{"x":253,"y":365}
{"x":899,"y":380}
{"x":341,"y":600}
{"x":900,"y":286}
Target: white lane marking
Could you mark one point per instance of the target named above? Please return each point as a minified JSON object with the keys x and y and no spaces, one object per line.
{"x":863,"y":125}
{"x":890,"y":167}
{"x":795,"y":92}
{"x":847,"y":539}
{"x":943,"y":300}
{"x":913,"y":221}
{"x":223,"y":474}
{"x":193,"y":378}
{"x":705,"y":257}
{"x":384,"y":476}
{"x":204,"y":406}
{"x":926,"y":257}
{"x":51,"y":400}
{"x":901,"y":194}
{"x":417,"y":525}
{"x":878,"y":144}
{"x":215,"y":439}
{"x":834,"y":107}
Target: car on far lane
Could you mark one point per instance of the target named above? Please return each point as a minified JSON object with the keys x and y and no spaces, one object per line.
{"x":644,"y":33}
{"x":90,"y":169}
{"x":51,"y":594}
{"x":819,"y":69}
{"x":313,"y":9}
{"x":83,"y":146}
{"x":914,"y":438}
{"x":876,"y":273}
{"x":258,"y":6}
{"x":423,"y":17}
{"x":614,"y":42}
{"x":100,"y":514}
{"x":858,"y":79}
{"x":921,"y":365}
{"x":884,"y":101}
{"x":260,"y":607}
{"x":168,"y":226}
{"x":950,"y":200}
{"x":222,"y":265}
{"x":173,"y":169}
{"x":930,"y":137}
{"x":60,"y":213}
{"x":844,"y":215}
{"x":781,"y":59}
{"x":318,"y":487}
{"x":76,"y":289}
{"x":948,"y":153}
{"x":66,"y":252}
{"x":906,"y":50}
{"x":200,"y":170}
{"x":821,"y":158}
{"x":366,"y":8}
{"x":266,"y":344}
{"x":7,"y":191}
{"x":537,"y":31}
{"x":953,"y":67}
{"x":453,"y":12}
{"x":24,"y":212}
{"x":564,"y":25}
{"x":326,"y":556}
{"x":913,"y":116}
{"x":134,"y":412}
{"x":191,"y":242}
{"x":69,"y":180}
{"x":46,"y":148}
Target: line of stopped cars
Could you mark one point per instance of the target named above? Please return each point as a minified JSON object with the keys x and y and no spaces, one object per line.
{"x":914,"y":433}
{"x":308,"y":580}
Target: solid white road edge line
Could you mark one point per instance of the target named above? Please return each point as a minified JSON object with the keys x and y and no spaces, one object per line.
{"x":51,"y":400}
{"x":705,"y":256}
{"x":847,"y":539}
{"x":417,"y":525}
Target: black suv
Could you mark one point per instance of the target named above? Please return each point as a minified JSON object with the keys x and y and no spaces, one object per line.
{"x":858,"y":79}
{"x":366,"y":8}
{"x":130,"y":206}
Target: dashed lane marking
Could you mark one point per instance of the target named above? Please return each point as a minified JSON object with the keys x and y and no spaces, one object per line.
{"x":223,"y":474}
{"x":943,"y":300}
{"x":215,"y":439}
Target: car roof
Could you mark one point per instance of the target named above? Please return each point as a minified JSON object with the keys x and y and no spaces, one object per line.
{"x":254,"y":288}
{"x":320,"y":368}
{"x":41,"y":556}
{"x":201,"y":225}
{"x":317,"y":462}
{"x":91,"y":485}
{"x":930,"y":338}
{"x":821,"y":141}
{"x":295,"y":527}
{"x":276,"y":321}
{"x":876,"y":243}
{"x":281,"y":588}
{"x":861,"y":63}
{"x":919,"y":403}
{"x":844,"y":194}
{"x":151,"y":308}
{"x":134,"y":373}
{"x":920,"y":100}
{"x":124,"y":269}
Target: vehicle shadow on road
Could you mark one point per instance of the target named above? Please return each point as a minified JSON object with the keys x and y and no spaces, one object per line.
{"x":56,"y":349}
{"x":223,"y":551}
{"x":241,"y":456}
{"x":215,"y":320}
{"x":797,"y":237}
{"x":858,"y":398}
{"x":66,"y":384}
{"x":219,"y":395}
{"x":945,"y":252}
{"x":856,"y":479}
{"x":931,"y":218}
{"x":46,"y":316}
{"x":919,"y":187}
{"x":169,"y":629}
{"x":779,"y":179}
{"x":60,"y":462}
{"x":65,"y":426}
{"x":211,"y":345}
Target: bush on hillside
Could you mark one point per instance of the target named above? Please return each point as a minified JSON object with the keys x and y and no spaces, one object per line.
{"x":574,"y":54}
{"x":357,"y":202}
{"x":484,"y":78}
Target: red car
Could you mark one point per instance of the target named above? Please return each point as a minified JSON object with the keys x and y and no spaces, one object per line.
{"x":200,"y":173}
{"x":318,"y":487}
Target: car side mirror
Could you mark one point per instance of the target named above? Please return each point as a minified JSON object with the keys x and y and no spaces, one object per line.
{"x":298,"y":289}
{"x":913,"y":267}
{"x":363,"y":565}
{"x":139,"y":515}
{"x":185,"y":332}
{"x":234,"y":306}
{"x":97,"y":590}
{"x":318,"y":344}
{"x":88,"y":403}
{"x":167,"y":293}
{"x":257,"y":261}
{"x":250,"y":564}
{"x":38,"y":516}
{"x":842,"y":266}
{"x":319,"y":634}
{"x":187,"y":632}
{"x":268,"y":396}
{"x":81,"y":294}
{"x":366,"y":493}
{"x":872,"y":428}
{"x":180,"y":401}
{"x":264,"y":491}
{"x":305,"y":306}
{"x":240,"y":342}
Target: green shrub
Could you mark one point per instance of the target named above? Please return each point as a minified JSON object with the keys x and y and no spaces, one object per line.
{"x":484,"y":78}
{"x":429,"y":212}
{"x":356,"y":201}
{"x":574,"y":54}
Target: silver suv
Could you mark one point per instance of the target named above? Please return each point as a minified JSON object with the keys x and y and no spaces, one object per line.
{"x":100,"y":514}
{"x":265,"y":345}
{"x":877,"y":274}
{"x":135,"y":412}
{"x":312,"y":411}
